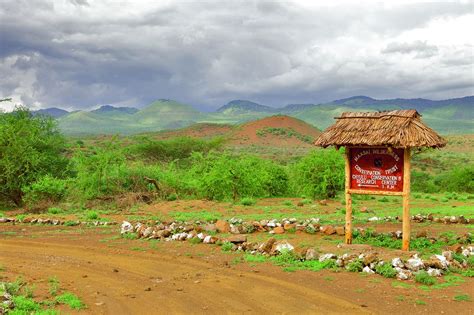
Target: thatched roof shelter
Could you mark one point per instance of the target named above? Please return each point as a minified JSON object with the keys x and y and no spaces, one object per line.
{"x":397,"y":129}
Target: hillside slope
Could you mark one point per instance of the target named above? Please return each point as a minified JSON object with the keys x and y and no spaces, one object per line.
{"x":278,"y":130}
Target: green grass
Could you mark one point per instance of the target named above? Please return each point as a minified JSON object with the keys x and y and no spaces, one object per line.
{"x":138,"y":249}
{"x":462,"y":297}
{"x":25,"y":305}
{"x":227,"y":246}
{"x":92,"y":215}
{"x":203,"y":215}
{"x":247,"y":201}
{"x":53,"y":286}
{"x":402,"y":285}
{"x":71,"y":300}
{"x":420,"y":302}
{"x":130,"y":236}
{"x":386,"y":270}
{"x":55,"y":210}
{"x":424,"y":278}
{"x":255,"y":258}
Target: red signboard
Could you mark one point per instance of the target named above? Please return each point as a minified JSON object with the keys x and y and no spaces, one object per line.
{"x":376,"y":169}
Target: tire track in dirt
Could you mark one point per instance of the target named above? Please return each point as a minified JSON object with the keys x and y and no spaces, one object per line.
{"x":178,"y":284}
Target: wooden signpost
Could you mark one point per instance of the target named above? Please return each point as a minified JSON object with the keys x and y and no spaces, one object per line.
{"x":378,"y":146}
{"x":378,"y":171}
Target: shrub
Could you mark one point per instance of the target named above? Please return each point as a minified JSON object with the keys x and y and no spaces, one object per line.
{"x":46,"y":188}
{"x":227,"y":246}
{"x":424,"y":278}
{"x":221,"y":176}
{"x":247,"y":201}
{"x":172,"y":149}
{"x":31,"y":147}
{"x":98,"y":173}
{"x":54,"y":210}
{"x":355,"y":266}
{"x":25,"y":305}
{"x":71,"y":300}
{"x":92,"y":215}
{"x":386,"y":270}
{"x":320,"y":174}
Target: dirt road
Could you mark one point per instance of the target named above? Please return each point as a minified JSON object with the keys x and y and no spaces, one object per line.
{"x":118,"y":276}
{"x":115,"y":281}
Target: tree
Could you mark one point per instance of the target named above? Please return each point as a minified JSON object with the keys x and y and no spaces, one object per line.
{"x":30,"y":148}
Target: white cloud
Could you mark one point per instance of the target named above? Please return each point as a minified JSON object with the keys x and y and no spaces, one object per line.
{"x":78,"y":53}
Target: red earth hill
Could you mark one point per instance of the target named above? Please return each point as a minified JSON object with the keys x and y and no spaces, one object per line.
{"x":275,"y":131}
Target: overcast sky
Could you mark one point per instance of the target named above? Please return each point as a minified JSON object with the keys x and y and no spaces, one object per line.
{"x":79,"y":54}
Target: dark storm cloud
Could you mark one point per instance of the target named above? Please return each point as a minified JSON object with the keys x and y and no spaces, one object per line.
{"x":79,"y":53}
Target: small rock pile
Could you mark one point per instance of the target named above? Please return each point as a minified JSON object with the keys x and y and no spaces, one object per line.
{"x":420,"y":218}
{"x":55,"y":222}
{"x":6,"y":301}
{"x":436,"y":265}
{"x":238,"y":226}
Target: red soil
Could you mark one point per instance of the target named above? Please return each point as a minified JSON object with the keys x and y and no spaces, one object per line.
{"x":248,"y":133}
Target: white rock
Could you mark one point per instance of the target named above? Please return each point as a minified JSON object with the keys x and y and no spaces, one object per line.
{"x":415,"y":263}
{"x":326,"y":257}
{"x":137,"y":226}
{"x":283,"y":246}
{"x":397,"y":262}
{"x":448,"y":254}
{"x":373,"y":219}
{"x":403,"y":274}
{"x":443,"y":260}
{"x":466,"y":252}
{"x":148,"y":231}
{"x":311,"y":254}
{"x":207,"y":239}
{"x":367,"y":270}
{"x":434,"y":272}
{"x":201,"y":236}
{"x":126,"y":227}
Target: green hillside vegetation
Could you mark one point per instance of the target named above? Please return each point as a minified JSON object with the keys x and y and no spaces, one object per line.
{"x":446,"y":117}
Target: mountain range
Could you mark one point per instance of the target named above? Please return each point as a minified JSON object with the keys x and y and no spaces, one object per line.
{"x":451,"y":116}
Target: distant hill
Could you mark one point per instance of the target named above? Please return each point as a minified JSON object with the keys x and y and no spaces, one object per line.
{"x":242,"y":106}
{"x":53,"y":112}
{"x":452,"y":116}
{"x":276,"y":131}
{"x":108,"y":109}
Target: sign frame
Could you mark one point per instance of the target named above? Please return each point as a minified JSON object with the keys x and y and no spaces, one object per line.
{"x":405,"y":194}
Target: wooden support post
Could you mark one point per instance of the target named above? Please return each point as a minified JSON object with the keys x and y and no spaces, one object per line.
{"x":406,"y":200}
{"x":348,"y":198}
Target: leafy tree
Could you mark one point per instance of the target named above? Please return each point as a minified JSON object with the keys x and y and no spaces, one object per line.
{"x":30,"y":148}
{"x":318,"y":174}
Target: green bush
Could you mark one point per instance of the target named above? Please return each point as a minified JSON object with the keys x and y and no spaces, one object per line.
{"x":220,"y":176}
{"x":247,"y":201}
{"x":320,"y":174}
{"x":92,"y":215}
{"x":355,"y":266}
{"x":45,"y":188}
{"x":227,"y":246}
{"x":386,"y":270}
{"x":424,"y":278}
{"x":172,"y":149}
{"x":54,"y":210}
{"x":31,"y":147}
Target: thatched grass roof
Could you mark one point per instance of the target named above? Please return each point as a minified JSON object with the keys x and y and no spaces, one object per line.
{"x":397,"y":129}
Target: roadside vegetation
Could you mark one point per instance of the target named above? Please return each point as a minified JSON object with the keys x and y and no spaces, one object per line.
{"x":39,"y":168}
